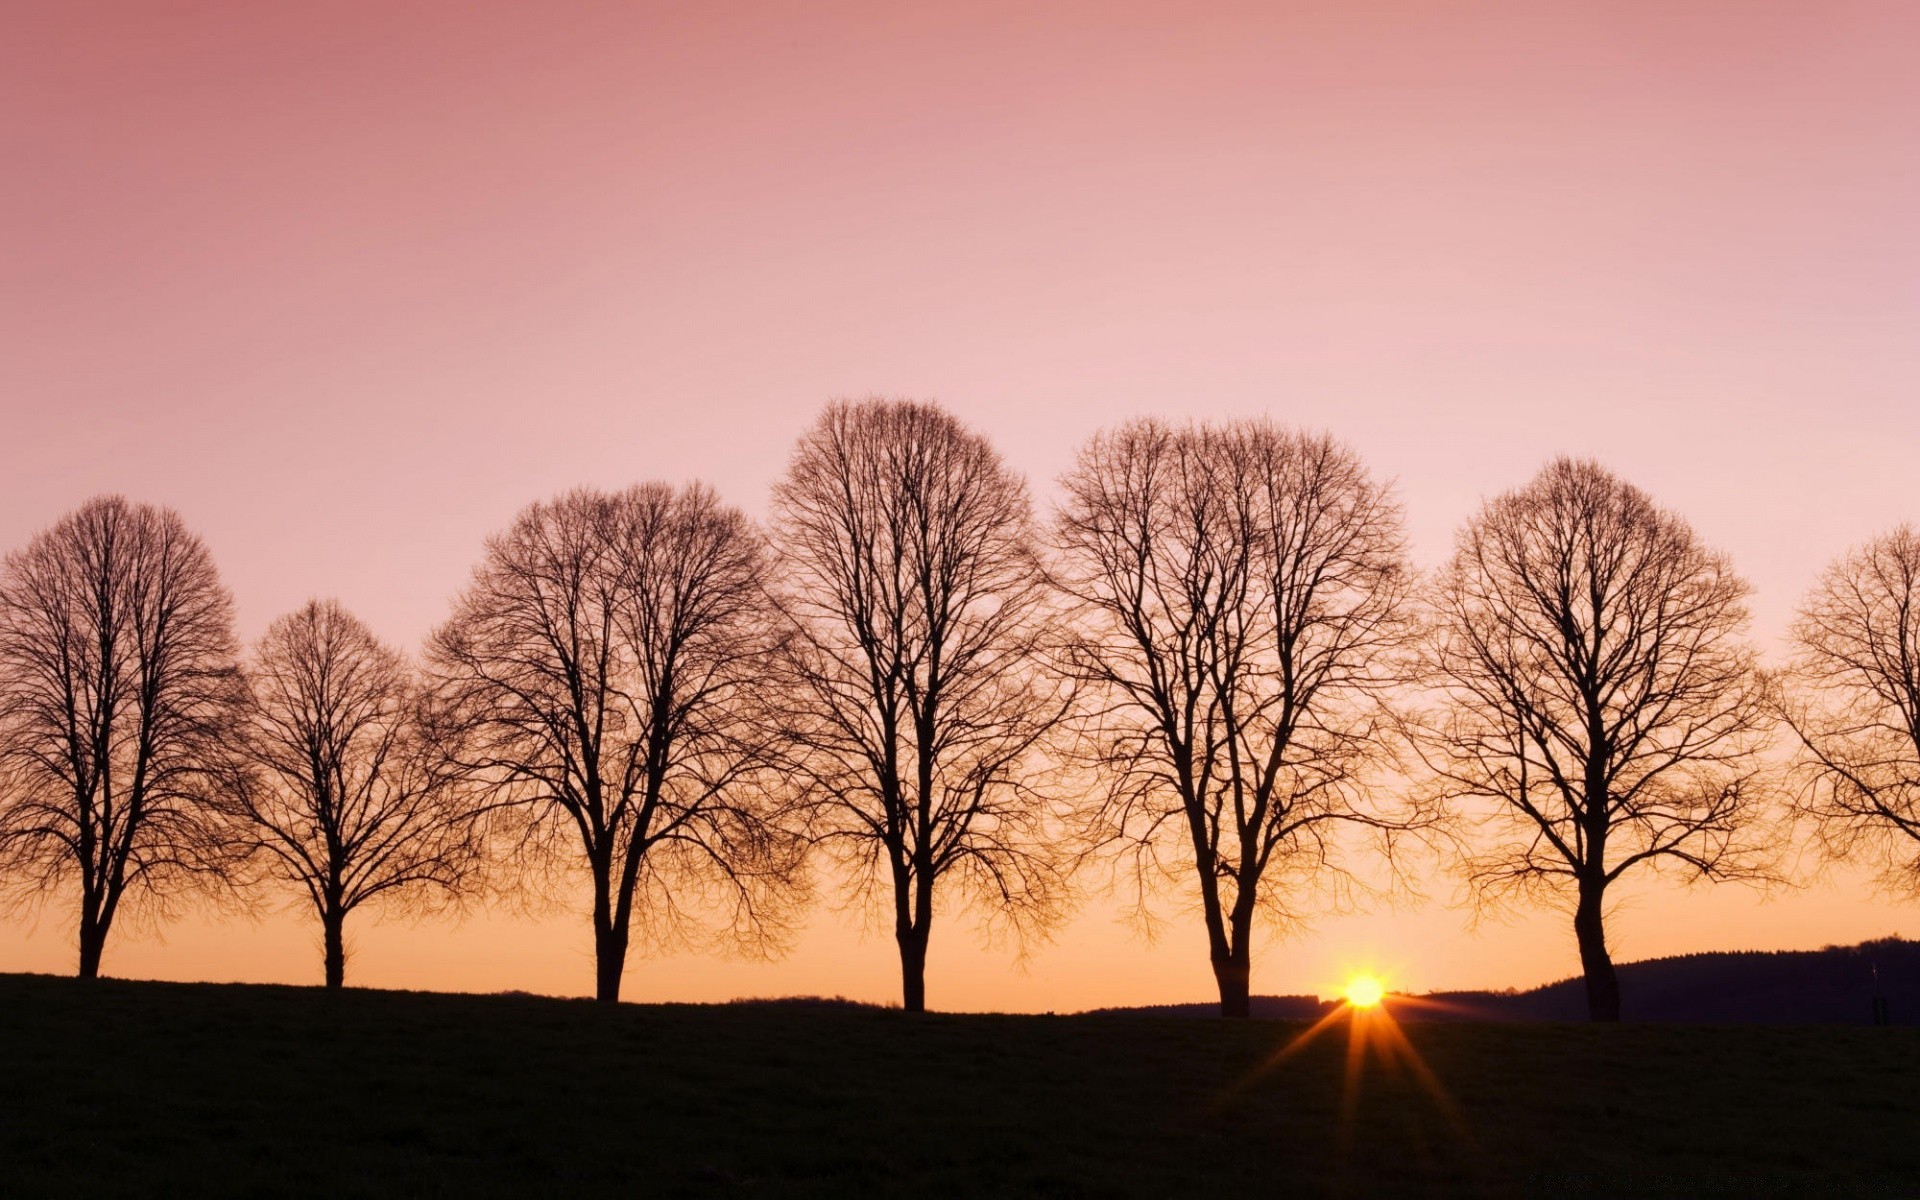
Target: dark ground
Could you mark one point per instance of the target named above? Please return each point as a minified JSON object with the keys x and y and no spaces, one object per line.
{"x":145,"y":1088}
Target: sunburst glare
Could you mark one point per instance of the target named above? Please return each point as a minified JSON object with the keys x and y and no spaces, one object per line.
{"x":1365,"y":991}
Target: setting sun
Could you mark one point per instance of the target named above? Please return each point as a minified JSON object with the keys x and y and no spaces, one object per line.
{"x":1364,"y":991}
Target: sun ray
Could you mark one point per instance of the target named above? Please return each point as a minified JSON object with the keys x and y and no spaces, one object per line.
{"x":1367,"y":1008}
{"x":1359,"y":1029}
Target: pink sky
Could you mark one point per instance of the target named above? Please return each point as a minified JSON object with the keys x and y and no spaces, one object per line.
{"x":347,"y":284}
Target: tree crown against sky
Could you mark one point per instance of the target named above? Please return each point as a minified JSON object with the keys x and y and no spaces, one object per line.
{"x":350,"y":802}
{"x":118,"y":700}
{"x":1851,"y":697}
{"x":918,"y":706}
{"x":603,"y":676}
{"x":1598,"y":705}
{"x":1238,"y":599}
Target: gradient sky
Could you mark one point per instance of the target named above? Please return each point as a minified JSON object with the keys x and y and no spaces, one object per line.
{"x":349,"y":283}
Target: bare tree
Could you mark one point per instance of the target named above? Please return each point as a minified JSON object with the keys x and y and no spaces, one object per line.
{"x":1601,"y":710}
{"x":349,"y":805}
{"x":117,"y":696}
{"x":604,"y":671}
{"x":916,"y":707}
{"x":1852,"y":698}
{"x":1239,"y":593}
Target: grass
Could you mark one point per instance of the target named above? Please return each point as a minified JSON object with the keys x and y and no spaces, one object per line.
{"x":146,"y":1088}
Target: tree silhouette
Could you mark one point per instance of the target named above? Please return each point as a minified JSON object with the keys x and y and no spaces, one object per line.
{"x":604,"y":676}
{"x":1238,"y":595}
{"x":1601,"y":709}
{"x":349,"y":805}
{"x":1853,"y":701}
{"x":118,"y":693}
{"x":915,"y":705}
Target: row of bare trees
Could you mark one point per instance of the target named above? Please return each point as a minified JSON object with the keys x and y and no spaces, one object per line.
{"x":1213,"y":676}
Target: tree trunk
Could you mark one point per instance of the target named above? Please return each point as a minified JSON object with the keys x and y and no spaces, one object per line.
{"x":93,"y":940}
{"x":1234,"y":975}
{"x":1603,"y":986}
{"x":913,"y":969}
{"x":609,"y":962}
{"x":609,"y":938}
{"x":333,"y":932}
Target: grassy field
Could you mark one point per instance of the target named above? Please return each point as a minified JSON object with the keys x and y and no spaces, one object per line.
{"x":146,"y":1088}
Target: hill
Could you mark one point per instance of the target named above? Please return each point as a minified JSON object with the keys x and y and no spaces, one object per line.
{"x":1260,"y":1008}
{"x":1834,"y":985}
{"x":131,"y":1089}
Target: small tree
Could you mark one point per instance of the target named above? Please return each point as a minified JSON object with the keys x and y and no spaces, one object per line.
{"x":605,"y":680}
{"x":1852,"y":698}
{"x":118,"y":695}
{"x":1600,"y":705}
{"x":915,"y":706}
{"x":349,"y":804}
{"x":1239,"y":595}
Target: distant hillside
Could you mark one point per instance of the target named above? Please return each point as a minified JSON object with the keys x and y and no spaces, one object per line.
{"x":1268,"y":1008}
{"x":1830,"y":986}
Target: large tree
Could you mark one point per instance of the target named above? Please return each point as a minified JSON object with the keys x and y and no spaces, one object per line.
{"x":604,"y":675}
{"x":1852,"y":697}
{"x":1239,"y":593}
{"x":118,"y":695}
{"x":1599,"y":709}
{"x":348,"y":802}
{"x":915,"y":702}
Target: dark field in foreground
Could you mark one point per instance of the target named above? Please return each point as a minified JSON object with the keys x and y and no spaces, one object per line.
{"x":118,"y":1087}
